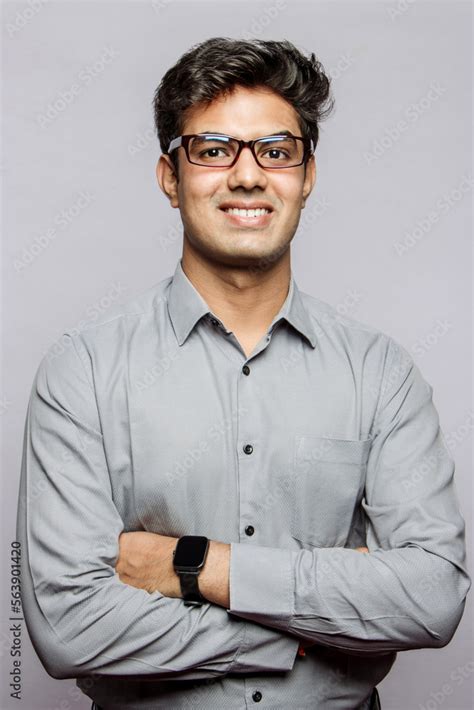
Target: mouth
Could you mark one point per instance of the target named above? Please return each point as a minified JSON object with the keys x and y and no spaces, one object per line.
{"x":258,"y":217}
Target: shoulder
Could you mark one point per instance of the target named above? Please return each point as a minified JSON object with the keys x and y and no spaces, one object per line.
{"x":104,"y":330}
{"x":140,"y":304}
{"x":337,"y":322}
{"x":355,"y":339}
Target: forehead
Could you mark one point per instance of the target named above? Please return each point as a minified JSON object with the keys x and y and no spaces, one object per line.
{"x":244,"y":113}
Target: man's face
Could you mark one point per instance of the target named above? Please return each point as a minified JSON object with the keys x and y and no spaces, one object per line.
{"x":201,"y":192}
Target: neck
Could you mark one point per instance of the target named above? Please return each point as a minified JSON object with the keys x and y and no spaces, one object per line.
{"x":246,"y":300}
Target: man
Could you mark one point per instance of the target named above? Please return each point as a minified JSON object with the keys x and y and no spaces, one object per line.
{"x":243,"y":497}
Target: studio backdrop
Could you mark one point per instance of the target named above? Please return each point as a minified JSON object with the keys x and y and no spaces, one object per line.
{"x":385,"y":236}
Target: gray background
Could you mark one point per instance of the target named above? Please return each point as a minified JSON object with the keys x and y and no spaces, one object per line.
{"x":385,"y":236}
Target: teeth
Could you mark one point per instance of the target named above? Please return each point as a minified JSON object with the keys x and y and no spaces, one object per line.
{"x":247,"y":213}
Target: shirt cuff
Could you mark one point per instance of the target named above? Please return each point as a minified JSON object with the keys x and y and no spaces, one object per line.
{"x":261,"y":584}
{"x":265,"y":650}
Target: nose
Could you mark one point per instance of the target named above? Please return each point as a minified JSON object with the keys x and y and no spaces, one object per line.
{"x":246,"y":172}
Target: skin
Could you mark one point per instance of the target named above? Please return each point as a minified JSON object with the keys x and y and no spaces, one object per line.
{"x":242,"y":273}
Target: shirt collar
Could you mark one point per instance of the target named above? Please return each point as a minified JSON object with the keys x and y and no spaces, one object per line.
{"x":186,"y":307}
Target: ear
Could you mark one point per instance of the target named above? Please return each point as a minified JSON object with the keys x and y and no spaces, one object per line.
{"x":309,"y":179}
{"x":167,"y":179}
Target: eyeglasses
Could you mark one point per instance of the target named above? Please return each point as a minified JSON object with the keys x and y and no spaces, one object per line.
{"x":217,"y":150}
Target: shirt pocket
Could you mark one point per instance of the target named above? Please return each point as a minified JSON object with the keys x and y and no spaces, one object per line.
{"x":328,"y":483}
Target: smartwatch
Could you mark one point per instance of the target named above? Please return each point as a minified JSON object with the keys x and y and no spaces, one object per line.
{"x":188,"y":560}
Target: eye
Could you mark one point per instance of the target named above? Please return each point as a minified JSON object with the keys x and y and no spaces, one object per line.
{"x":208,"y":152}
{"x":277,"y":150}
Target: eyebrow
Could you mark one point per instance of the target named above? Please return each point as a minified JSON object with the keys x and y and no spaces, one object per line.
{"x":284,"y":132}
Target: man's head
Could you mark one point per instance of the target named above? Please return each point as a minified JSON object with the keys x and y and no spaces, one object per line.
{"x":247,"y":90}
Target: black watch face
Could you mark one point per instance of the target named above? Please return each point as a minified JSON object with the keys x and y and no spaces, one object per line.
{"x":190,"y":551}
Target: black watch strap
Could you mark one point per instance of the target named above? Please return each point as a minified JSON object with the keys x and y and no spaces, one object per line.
{"x":190,"y":589}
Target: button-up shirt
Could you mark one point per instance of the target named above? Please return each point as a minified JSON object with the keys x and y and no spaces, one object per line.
{"x":325,"y":438}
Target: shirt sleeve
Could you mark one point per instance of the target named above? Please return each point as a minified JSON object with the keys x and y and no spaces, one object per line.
{"x":409,"y":591}
{"x":80,"y":616}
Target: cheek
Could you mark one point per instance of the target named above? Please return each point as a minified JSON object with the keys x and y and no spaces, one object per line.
{"x":291,"y":208}
{"x":288,"y":191}
{"x":198,"y":189}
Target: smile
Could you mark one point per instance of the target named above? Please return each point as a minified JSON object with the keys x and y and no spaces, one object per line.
{"x":247,"y":213}
{"x":252,"y":218}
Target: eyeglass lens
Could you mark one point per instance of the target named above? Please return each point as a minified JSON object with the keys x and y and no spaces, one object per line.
{"x":220,"y":151}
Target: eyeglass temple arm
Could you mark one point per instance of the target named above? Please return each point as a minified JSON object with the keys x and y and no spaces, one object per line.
{"x":175,"y":143}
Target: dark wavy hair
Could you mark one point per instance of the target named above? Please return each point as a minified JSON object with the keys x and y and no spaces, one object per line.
{"x":214,"y":67}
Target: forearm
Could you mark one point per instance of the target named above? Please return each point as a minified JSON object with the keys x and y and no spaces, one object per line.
{"x":214,"y":580}
{"x":93,"y":623}
{"x":81,"y":617}
{"x":146,"y":561}
{"x":389,"y":600}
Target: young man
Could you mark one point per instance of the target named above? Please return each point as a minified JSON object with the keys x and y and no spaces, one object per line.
{"x":243,"y":497}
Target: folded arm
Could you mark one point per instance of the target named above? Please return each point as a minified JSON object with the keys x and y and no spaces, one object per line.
{"x":409,"y":592}
{"x":81,"y":617}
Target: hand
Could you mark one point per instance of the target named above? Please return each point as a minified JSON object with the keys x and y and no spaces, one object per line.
{"x":146,"y":561}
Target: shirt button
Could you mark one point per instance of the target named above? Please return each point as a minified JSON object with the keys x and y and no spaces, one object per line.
{"x":249,"y":530}
{"x":248,"y":448}
{"x":257,"y":696}
{"x":214,"y":321}
{"x":246,"y":370}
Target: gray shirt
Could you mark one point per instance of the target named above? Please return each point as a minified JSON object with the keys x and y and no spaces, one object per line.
{"x":324,"y":439}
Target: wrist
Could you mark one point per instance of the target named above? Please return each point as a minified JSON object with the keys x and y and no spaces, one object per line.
{"x":214,"y":577}
{"x":189,"y":558}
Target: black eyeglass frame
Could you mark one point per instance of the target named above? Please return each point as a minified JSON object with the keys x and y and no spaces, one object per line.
{"x":184,"y":140}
